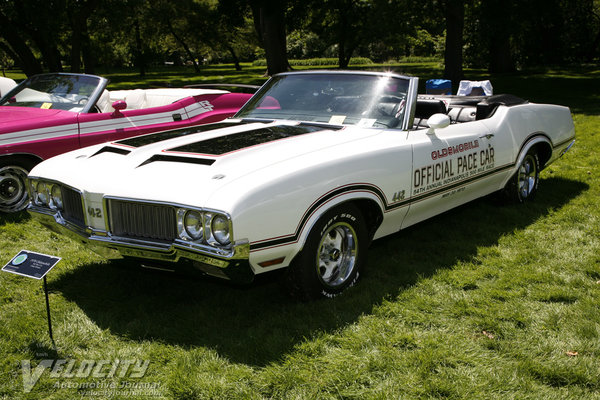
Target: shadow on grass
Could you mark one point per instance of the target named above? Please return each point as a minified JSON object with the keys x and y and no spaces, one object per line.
{"x":14,"y":218}
{"x":258,"y":324}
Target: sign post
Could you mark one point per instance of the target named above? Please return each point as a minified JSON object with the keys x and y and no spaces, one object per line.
{"x":34,"y":265}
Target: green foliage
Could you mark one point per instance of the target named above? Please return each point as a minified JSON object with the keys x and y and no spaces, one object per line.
{"x":482,"y":302}
{"x":317,"y":62}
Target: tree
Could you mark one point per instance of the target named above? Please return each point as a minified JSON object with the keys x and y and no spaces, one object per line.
{"x":454,"y":11}
{"x":81,"y":46}
{"x":269,"y":22}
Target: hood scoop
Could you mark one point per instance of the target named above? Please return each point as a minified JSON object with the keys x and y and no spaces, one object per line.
{"x":177,"y":159}
{"x":110,"y":149}
{"x":230,"y":143}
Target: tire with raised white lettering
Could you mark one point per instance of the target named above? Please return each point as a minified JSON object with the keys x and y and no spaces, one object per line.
{"x":332,"y":257}
{"x":523,"y":185}
{"x":13,"y":187}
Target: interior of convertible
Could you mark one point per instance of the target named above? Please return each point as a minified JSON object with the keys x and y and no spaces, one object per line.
{"x":460,"y":108}
{"x":367,"y":100}
{"x":138,"y":99}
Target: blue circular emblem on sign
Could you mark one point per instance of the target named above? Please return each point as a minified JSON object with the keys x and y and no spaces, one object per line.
{"x":20,"y":259}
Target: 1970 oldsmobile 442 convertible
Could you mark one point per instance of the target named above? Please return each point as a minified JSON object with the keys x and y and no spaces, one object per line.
{"x":312,"y":169}
{"x":50,"y":114}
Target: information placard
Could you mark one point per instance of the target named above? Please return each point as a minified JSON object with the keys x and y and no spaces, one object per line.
{"x":31,"y":264}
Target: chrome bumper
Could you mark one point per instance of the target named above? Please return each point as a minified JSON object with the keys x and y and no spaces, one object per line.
{"x":232,"y":264}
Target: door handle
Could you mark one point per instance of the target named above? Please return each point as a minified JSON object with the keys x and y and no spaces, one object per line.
{"x":488,"y":136}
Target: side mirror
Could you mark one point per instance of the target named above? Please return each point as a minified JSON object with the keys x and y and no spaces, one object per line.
{"x":438,"y":121}
{"x":118,"y":106}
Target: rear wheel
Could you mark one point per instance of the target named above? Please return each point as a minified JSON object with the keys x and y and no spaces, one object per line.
{"x":13,"y":188}
{"x":332,"y":257}
{"x":523,"y":185}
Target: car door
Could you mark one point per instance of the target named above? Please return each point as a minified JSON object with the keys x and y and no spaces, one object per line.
{"x":454,"y":165}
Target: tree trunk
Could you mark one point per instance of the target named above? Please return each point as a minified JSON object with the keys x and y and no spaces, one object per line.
{"x":50,"y":53}
{"x":269,"y":20}
{"x":25,"y":58}
{"x":76,"y":42}
{"x":87,"y":52}
{"x":140,"y":59}
{"x":500,"y":54}
{"x":183,"y":44}
{"x":345,"y":37}
{"x":453,"y":57}
{"x":236,"y":60}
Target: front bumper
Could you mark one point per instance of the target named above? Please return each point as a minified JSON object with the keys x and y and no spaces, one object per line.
{"x":233,"y":266}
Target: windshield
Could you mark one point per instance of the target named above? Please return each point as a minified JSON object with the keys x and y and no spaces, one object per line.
{"x":335,"y":98}
{"x":54,"y":91}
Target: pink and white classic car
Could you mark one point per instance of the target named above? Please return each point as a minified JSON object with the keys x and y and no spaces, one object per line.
{"x":50,"y":114}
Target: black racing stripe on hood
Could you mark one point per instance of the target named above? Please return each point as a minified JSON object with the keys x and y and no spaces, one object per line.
{"x":151,"y":138}
{"x":237,"y":141}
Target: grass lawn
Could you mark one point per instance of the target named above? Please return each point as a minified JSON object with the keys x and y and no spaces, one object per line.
{"x":482,"y":302}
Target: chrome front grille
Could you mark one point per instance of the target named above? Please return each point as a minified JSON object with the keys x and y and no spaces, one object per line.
{"x":72,"y":206}
{"x":142,"y":220}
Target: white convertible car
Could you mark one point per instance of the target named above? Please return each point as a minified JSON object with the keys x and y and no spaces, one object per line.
{"x":312,"y":169}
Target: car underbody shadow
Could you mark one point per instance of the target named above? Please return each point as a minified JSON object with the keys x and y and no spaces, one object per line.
{"x":17,"y":217}
{"x":258,"y":324}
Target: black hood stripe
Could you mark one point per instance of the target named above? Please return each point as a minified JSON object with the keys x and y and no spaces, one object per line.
{"x":151,"y":138}
{"x":229,"y":143}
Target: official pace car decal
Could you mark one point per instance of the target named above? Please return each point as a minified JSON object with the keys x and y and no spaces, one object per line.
{"x":472,"y":160}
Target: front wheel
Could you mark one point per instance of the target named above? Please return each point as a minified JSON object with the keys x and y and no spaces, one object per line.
{"x":13,"y":187}
{"x":332,"y":257}
{"x":523,"y":185}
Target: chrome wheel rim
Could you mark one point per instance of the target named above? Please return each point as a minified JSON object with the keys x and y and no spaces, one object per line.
{"x":13,"y":193}
{"x":336,"y":256}
{"x":527,"y":177}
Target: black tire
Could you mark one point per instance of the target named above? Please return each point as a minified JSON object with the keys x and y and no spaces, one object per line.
{"x":332,"y":257}
{"x":13,"y":185}
{"x":523,"y":185}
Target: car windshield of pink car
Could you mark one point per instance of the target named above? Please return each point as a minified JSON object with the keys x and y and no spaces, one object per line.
{"x":70,"y":92}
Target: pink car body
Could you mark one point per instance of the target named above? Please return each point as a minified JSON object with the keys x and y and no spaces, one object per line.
{"x":36,"y":130}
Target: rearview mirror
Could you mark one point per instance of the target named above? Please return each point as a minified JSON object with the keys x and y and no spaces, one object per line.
{"x":118,"y":106}
{"x":438,"y":121}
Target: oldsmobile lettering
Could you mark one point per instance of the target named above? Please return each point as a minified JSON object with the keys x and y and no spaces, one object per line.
{"x":448,"y":151}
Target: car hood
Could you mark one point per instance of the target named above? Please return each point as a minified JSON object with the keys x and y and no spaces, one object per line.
{"x":18,"y":118}
{"x":187,"y":166}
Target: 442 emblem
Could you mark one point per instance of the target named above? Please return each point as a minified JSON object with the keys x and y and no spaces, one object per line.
{"x":94,"y":212}
{"x":398,"y":196}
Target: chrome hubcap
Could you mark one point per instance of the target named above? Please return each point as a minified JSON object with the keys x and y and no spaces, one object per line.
{"x":527,"y":176}
{"x":336,"y":257}
{"x":13,"y":195}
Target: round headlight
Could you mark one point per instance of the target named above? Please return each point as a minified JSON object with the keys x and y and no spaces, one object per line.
{"x":193,"y":224}
{"x":56,"y":196}
{"x":221,"y":229}
{"x":41,"y":193}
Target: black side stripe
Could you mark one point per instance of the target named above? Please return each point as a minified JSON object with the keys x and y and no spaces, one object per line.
{"x":365,"y":187}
